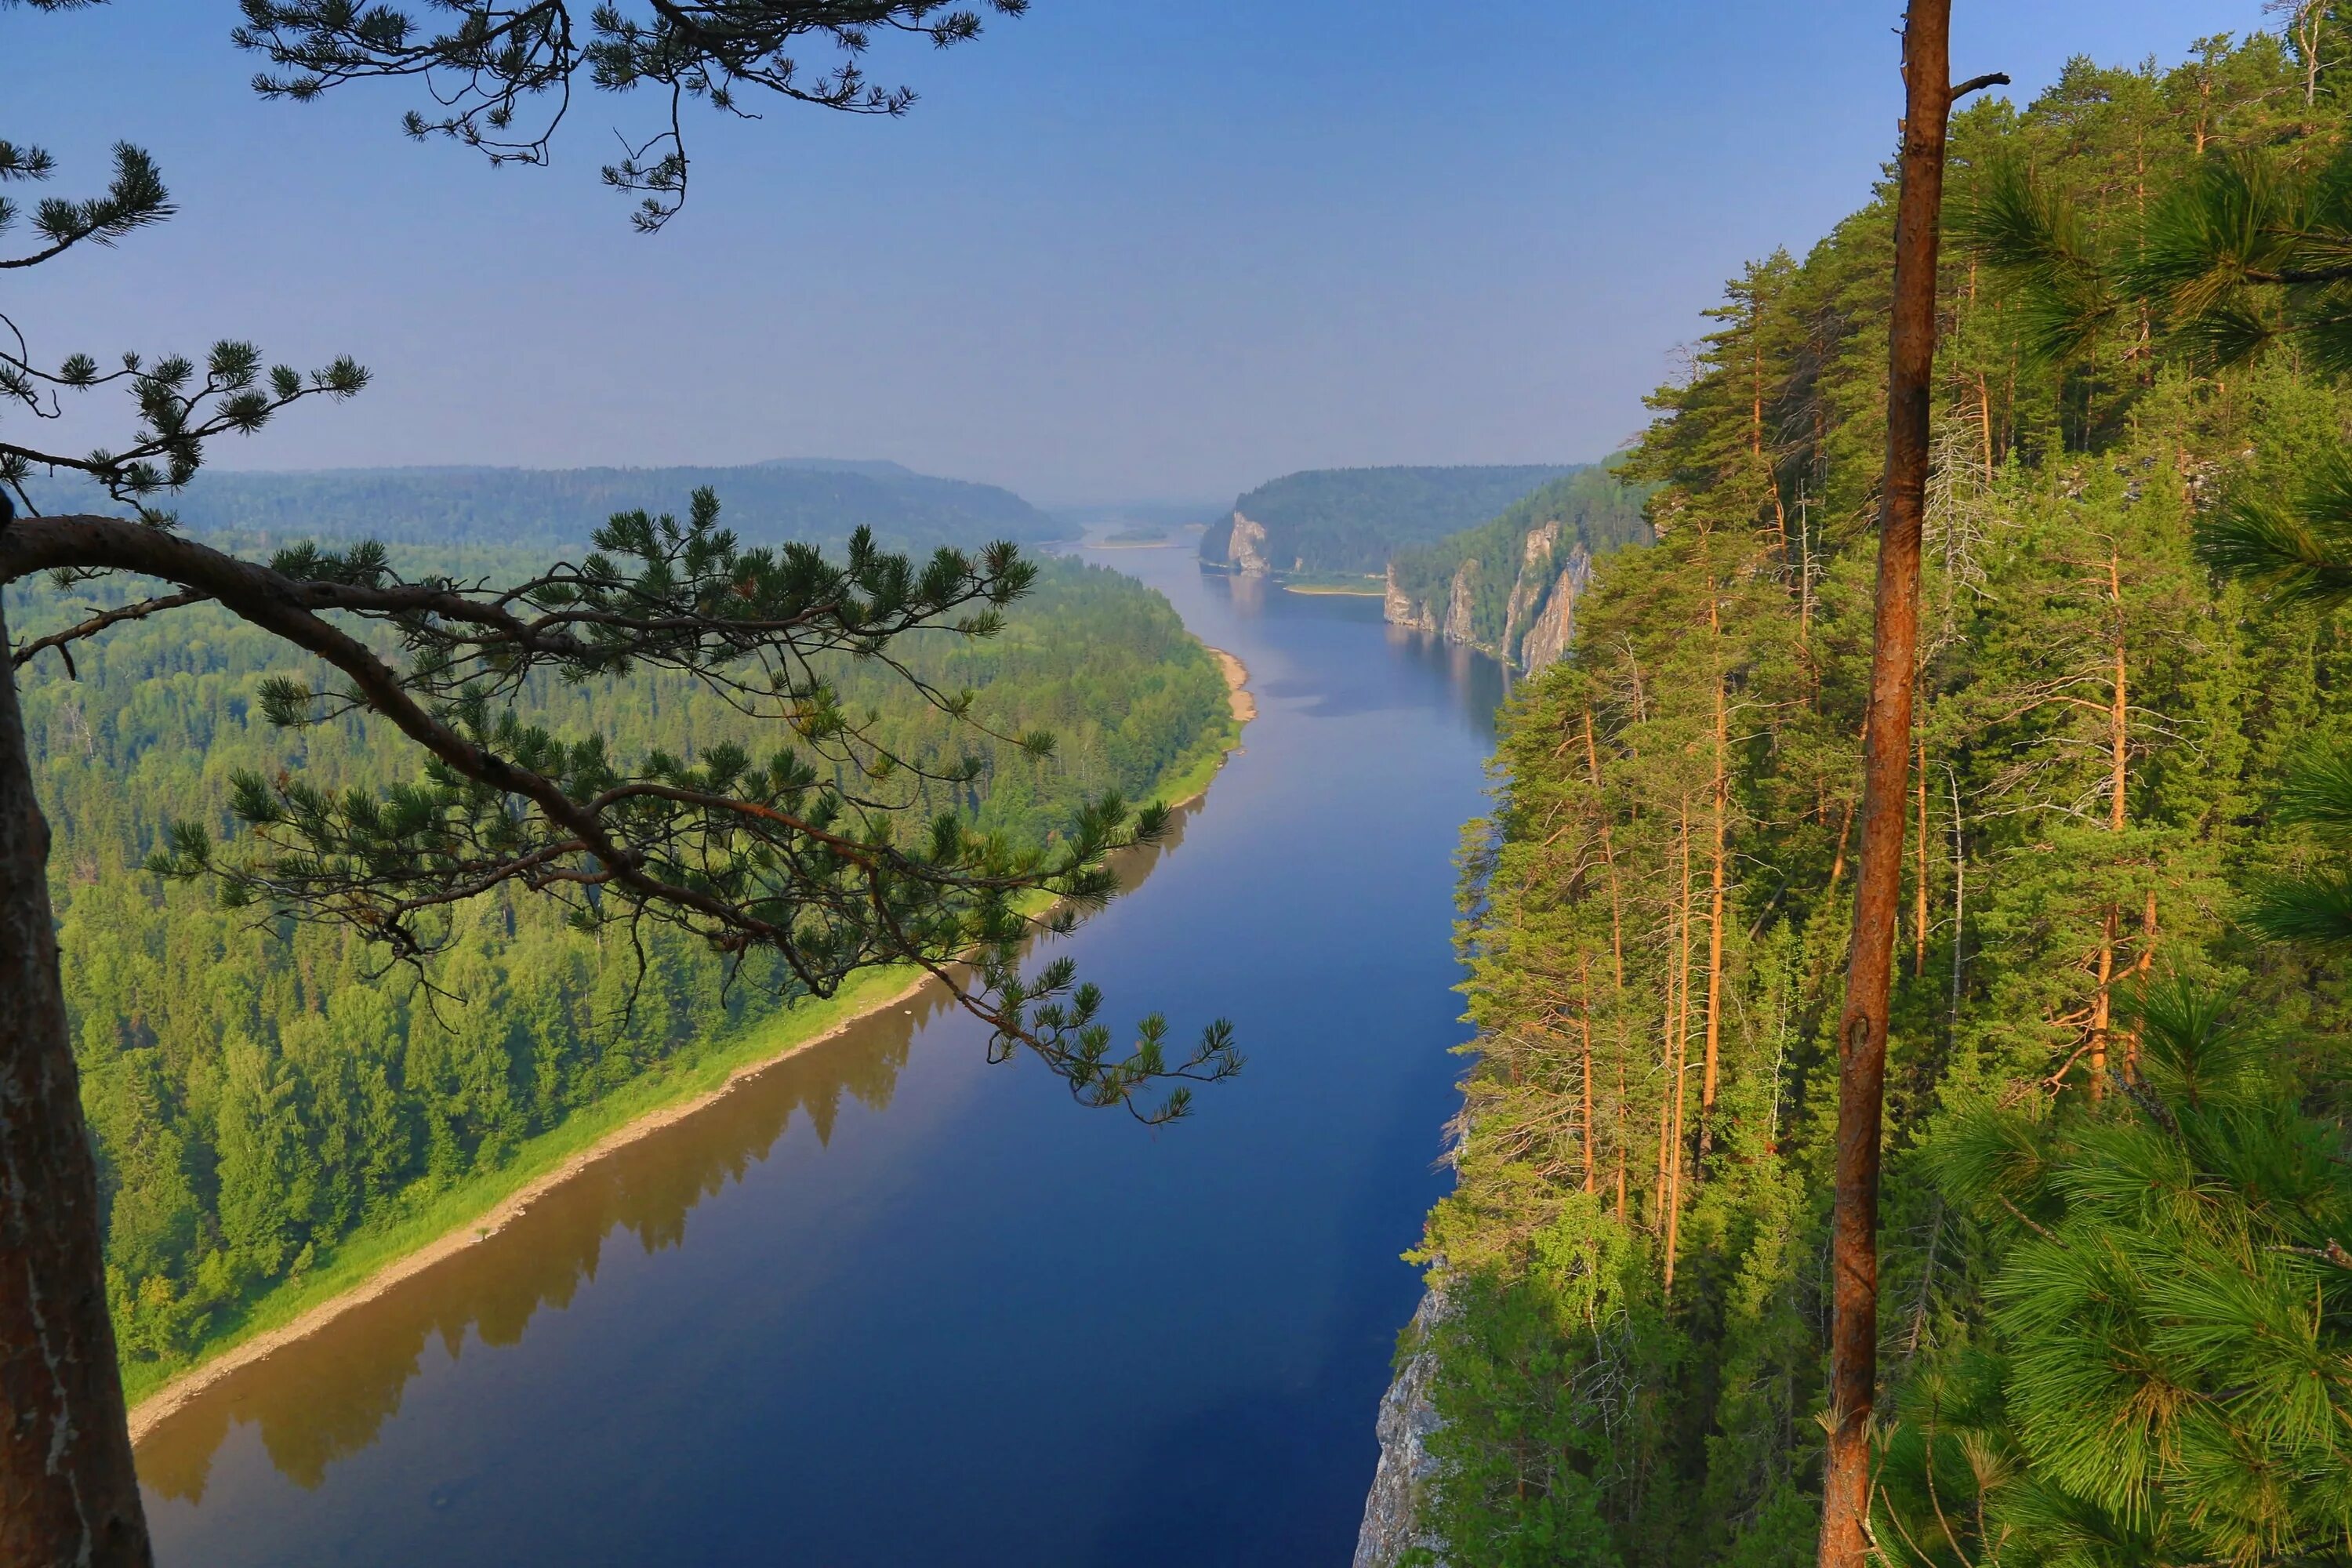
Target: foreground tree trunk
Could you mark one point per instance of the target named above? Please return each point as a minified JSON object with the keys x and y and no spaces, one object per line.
{"x":68,"y":1492}
{"x":1886,"y":754}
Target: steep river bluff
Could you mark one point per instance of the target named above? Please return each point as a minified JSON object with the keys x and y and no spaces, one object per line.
{"x":1524,"y":619}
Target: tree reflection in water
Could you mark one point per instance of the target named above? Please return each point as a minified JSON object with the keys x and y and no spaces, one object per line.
{"x":328,"y":1395}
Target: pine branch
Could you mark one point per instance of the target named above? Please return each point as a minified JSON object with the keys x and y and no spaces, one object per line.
{"x":500,"y":76}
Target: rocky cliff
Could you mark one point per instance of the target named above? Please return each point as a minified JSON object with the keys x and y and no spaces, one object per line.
{"x":1461,"y":605}
{"x":1391,"y":1512}
{"x":1246,"y":548}
{"x":1509,"y":588}
{"x":1402,"y":610}
{"x":1538,"y":613}
{"x":1554,"y":624}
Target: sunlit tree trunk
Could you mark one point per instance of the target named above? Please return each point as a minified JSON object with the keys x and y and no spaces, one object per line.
{"x":69,"y":1493}
{"x":1878,"y":880}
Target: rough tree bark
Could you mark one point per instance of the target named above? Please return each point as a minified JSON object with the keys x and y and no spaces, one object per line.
{"x":1886,"y":756}
{"x":69,"y":1493}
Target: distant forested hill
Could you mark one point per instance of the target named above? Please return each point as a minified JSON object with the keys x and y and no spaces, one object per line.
{"x":1349,"y":522}
{"x":817,"y":500}
{"x":1509,"y":587}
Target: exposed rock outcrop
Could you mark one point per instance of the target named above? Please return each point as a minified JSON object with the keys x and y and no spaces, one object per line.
{"x":1392,"y":1512}
{"x":1247,"y":548}
{"x":1527,"y":589}
{"x":1539,"y":615}
{"x":1553,"y":627}
{"x":1459,"y":607}
{"x":1402,"y":610}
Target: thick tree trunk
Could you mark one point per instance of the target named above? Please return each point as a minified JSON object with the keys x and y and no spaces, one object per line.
{"x":1878,"y":879}
{"x":68,"y":1492}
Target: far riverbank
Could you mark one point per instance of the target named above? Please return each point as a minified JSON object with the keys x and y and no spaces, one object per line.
{"x":371,"y":1266}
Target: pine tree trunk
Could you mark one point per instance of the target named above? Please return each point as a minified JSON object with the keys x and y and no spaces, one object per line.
{"x":1670,"y":1064}
{"x":1960,"y":899}
{"x":1878,"y":880}
{"x":1919,"y":870}
{"x":1680,"y":1062}
{"x":1616,"y":950}
{"x":69,"y":1493}
{"x":1722,"y":801}
{"x":1984,"y":415}
{"x":1584,"y":1018}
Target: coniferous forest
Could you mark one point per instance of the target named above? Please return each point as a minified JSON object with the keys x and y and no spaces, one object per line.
{"x":2115,"y":1298}
{"x":263,"y":1092}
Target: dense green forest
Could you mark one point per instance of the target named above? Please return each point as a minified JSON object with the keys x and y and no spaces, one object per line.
{"x":262,"y":1096}
{"x":2115,"y":1301}
{"x":815,"y":499}
{"x":1508,"y":586}
{"x":1347,"y":522}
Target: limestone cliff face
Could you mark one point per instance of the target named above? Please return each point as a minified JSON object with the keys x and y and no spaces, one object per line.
{"x":1392,"y":1524}
{"x":1555,"y":624}
{"x":1539,"y":615}
{"x":1459,"y":626}
{"x":1527,"y":589}
{"x":1402,"y":610}
{"x":1247,"y":550}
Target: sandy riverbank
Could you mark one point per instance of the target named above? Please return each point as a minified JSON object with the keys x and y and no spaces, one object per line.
{"x":1237,"y":690}
{"x":165,"y":1401}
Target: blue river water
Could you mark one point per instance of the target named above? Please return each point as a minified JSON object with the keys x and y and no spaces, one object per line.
{"x":886,"y":1304}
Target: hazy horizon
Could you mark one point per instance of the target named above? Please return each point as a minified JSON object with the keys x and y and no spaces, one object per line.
{"x":1114,"y":252}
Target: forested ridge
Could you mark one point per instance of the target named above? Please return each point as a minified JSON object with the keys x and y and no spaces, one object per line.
{"x":1348,"y":522}
{"x":2116,"y":1300}
{"x":263,"y":1092}
{"x":816,"y":500}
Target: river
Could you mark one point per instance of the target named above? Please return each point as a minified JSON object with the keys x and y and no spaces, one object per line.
{"x":886,"y":1304}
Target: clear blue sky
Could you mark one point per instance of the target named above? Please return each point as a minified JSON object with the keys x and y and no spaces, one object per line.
{"x":1120,"y":250}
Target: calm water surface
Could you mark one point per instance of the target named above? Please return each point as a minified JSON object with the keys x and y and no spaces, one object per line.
{"x":886,"y":1304}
